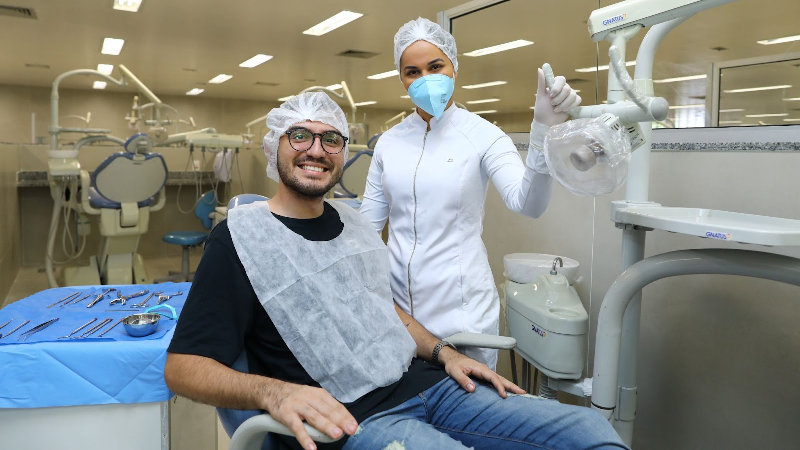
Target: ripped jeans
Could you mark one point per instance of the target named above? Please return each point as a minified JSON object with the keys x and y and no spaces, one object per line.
{"x":447,"y":417}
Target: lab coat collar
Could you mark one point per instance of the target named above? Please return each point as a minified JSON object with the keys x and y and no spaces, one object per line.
{"x":418,"y":120}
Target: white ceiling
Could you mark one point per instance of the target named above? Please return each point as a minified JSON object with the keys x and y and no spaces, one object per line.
{"x":174,"y":46}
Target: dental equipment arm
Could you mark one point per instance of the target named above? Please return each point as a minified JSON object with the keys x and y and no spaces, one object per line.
{"x":643,"y":13}
{"x":129,"y":77}
{"x":345,"y":94}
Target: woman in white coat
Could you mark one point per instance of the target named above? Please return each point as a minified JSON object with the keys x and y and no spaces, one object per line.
{"x":429,"y":177}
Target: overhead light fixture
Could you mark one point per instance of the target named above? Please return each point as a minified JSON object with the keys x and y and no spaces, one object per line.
{"x":372,"y":102}
{"x":221,"y":78}
{"x":105,"y":69}
{"x":483,"y":85}
{"x":195,"y":91}
{"x":791,"y":120}
{"x":762,"y":88}
{"x":112,"y":46}
{"x":405,"y":96}
{"x":333,"y":23}
{"x":283,"y":99}
{"x":102,"y":85}
{"x":488,"y":100}
{"x":730,"y":122}
{"x":605,"y":67}
{"x":532,"y":107}
{"x":127,"y":5}
{"x":499,"y":48}
{"x":699,"y":105}
{"x":791,"y":99}
{"x":489,"y":111}
{"x":379,"y":76}
{"x":731,"y":110}
{"x":768,"y":115}
{"x":255,"y":61}
{"x":674,"y":80}
{"x":780,"y":40}
{"x":333,"y":87}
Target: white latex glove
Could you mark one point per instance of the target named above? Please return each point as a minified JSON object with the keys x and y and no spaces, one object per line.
{"x":553,"y":103}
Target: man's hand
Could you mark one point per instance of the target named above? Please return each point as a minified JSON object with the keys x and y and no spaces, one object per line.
{"x":461,"y":368}
{"x":292,"y":404}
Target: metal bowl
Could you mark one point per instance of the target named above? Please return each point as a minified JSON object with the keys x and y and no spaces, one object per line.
{"x":138,"y":325}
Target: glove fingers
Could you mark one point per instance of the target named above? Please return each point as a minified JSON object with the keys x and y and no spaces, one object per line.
{"x":568,"y":102}
{"x":558,"y":86}
{"x":562,"y":96}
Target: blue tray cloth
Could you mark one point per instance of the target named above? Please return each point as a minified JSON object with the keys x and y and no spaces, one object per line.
{"x":44,"y":371}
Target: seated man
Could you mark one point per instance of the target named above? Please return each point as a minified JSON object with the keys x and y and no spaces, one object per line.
{"x":302,"y":285}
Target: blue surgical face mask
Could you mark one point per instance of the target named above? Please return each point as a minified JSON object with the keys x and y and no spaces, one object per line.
{"x":431,"y":93}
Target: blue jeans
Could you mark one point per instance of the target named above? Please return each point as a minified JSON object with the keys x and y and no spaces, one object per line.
{"x":447,"y":417}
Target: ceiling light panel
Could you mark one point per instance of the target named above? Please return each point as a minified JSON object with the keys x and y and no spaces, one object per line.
{"x":371,"y":102}
{"x":255,"y":61}
{"x":483,"y":85}
{"x":605,"y":67}
{"x":127,"y":5}
{"x":699,"y":105}
{"x":780,"y":40}
{"x":221,"y":78}
{"x":762,"y":88}
{"x":729,"y":122}
{"x":731,"y":110}
{"x":488,"y":100}
{"x":768,"y":115}
{"x":333,"y":23}
{"x":102,"y":85}
{"x":379,"y":76}
{"x":675,"y":80}
{"x":405,"y":96}
{"x":499,"y":48}
{"x":283,"y":99}
{"x":195,"y":91}
{"x":791,"y":99}
{"x":112,"y":46}
{"x":105,"y":69}
{"x":488,"y":111}
{"x":791,"y":120}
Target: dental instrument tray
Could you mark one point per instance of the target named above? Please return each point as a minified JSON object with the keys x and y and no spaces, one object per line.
{"x":709,"y":223}
{"x":56,"y":313}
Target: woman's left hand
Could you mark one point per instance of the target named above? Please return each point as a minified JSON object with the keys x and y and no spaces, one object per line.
{"x":553,"y":103}
{"x":462,"y":369}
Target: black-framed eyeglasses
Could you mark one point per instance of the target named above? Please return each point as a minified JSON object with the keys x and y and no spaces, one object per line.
{"x":301,"y":139}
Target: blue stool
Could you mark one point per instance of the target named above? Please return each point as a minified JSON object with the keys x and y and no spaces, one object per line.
{"x":190,"y":239}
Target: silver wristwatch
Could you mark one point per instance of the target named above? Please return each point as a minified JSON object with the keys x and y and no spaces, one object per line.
{"x":438,"y":348}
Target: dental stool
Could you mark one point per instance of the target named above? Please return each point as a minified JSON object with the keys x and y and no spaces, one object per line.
{"x":191,"y":239}
{"x":122,"y":192}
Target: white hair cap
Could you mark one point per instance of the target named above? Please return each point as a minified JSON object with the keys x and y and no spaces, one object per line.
{"x":313,"y":106}
{"x":424,"y":30}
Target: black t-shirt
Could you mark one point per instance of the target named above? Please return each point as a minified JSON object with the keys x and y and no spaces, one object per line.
{"x":222,"y":317}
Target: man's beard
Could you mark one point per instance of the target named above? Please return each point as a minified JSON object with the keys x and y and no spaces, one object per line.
{"x":309,"y":190}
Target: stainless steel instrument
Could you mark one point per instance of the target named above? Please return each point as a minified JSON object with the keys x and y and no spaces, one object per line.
{"x":36,"y":329}
{"x":15,"y":329}
{"x":79,"y":329}
{"x":143,"y":303}
{"x":3,"y":325}
{"x":93,"y":329}
{"x":121,"y":299}
{"x":163,"y":298}
{"x":112,"y":327}
{"x":67,"y":298}
{"x":86,"y":296}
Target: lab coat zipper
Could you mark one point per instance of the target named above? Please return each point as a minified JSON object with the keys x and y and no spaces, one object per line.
{"x":414,"y":248}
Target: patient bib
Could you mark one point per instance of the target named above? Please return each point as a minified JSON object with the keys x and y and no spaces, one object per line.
{"x":330,"y":300}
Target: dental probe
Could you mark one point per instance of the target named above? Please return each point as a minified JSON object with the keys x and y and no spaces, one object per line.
{"x":79,"y":329}
{"x":15,"y":329}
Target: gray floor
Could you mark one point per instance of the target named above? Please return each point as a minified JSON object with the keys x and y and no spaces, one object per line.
{"x":193,"y":426}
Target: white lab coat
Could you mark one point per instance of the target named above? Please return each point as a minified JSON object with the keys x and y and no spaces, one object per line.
{"x":432,"y":187}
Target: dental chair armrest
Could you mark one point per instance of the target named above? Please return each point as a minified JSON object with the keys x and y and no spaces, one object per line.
{"x":482,"y":341}
{"x":85,"y":188}
{"x":251,"y":433}
{"x":162,"y":200}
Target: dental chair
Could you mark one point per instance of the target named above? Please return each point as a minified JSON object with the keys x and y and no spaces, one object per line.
{"x":254,"y":430}
{"x":353,"y":175}
{"x":122,"y":192}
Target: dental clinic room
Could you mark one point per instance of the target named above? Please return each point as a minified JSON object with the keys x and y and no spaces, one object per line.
{"x":457,"y":224}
